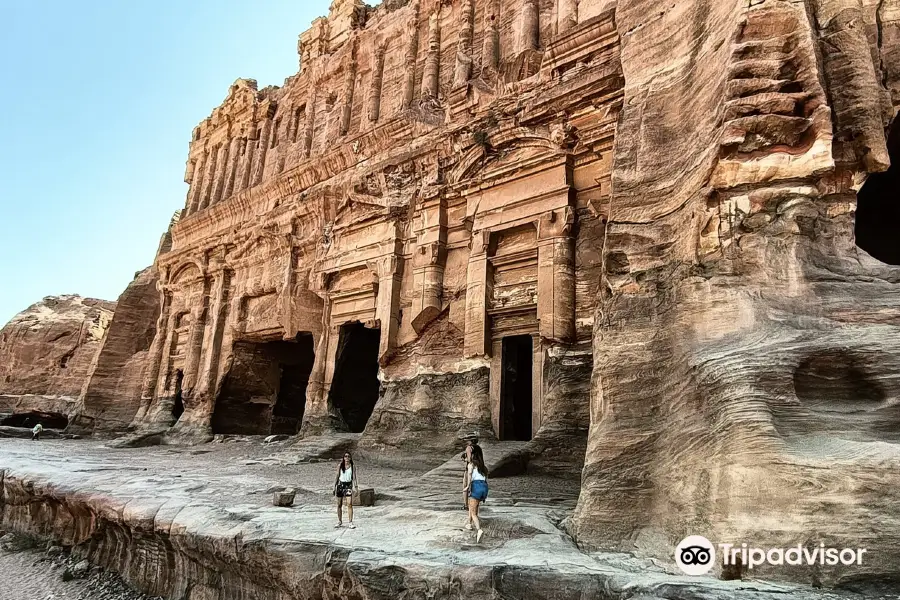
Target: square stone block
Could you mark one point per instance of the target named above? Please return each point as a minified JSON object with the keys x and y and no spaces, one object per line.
{"x":364,"y":497}
{"x":285,"y":498}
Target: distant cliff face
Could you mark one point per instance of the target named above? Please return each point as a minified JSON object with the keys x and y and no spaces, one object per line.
{"x":47,"y":349}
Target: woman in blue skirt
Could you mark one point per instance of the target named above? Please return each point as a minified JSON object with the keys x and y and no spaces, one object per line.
{"x":477,"y":488}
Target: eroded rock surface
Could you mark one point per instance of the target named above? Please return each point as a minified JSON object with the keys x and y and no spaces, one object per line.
{"x":112,"y":388}
{"x":46,"y":353}
{"x":746,"y":351}
{"x":185,"y":523}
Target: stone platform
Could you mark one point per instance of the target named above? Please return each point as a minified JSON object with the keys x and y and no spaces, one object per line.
{"x":197,"y":524}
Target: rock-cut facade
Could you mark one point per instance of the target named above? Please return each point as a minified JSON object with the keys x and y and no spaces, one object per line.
{"x":657,"y":241}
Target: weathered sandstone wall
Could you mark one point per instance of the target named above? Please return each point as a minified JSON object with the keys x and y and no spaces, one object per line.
{"x":111,"y":391}
{"x":746,"y":351}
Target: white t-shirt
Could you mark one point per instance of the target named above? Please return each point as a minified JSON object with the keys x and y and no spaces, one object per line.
{"x":37,"y":428}
{"x":346,"y":475}
{"x":476,"y":474}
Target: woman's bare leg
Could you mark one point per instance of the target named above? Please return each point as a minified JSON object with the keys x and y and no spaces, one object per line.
{"x":350,"y":507}
{"x":473,"y":513}
{"x":477,"y":521}
{"x":340,"y":505}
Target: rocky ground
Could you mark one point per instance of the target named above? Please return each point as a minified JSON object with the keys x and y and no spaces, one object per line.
{"x":212,"y":520}
{"x":35,"y":571}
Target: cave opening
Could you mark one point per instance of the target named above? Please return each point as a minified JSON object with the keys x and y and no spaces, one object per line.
{"x":355,"y":386}
{"x":178,"y":406}
{"x":48,"y":420}
{"x":264,"y":392}
{"x":878,"y":207}
{"x":516,"y":388}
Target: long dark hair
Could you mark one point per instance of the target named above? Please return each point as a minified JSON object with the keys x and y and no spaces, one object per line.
{"x":343,"y":467}
{"x":478,"y":459}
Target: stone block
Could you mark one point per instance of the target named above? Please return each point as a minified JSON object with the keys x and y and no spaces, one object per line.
{"x":364,"y":497}
{"x":285,"y":498}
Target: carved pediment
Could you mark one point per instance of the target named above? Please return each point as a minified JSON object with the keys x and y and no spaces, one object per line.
{"x":506,"y":152}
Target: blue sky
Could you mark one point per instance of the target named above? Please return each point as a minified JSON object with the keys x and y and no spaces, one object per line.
{"x":99,"y":101}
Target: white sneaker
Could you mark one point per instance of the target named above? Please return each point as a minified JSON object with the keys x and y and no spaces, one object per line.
{"x":351,"y":525}
{"x":468,"y":527}
{"x":478,"y":536}
{"x":339,"y":525}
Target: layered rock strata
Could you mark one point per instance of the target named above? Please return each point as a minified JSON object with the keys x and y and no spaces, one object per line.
{"x":46,"y":353}
{"x":746,"y":347}
{"x":111,"y":393}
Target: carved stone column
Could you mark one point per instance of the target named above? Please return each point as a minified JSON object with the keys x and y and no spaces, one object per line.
{"x":349,"y":87}
{"x":412,"y":53}
{"x":190,"y":169}
{"x":529,"y":32}
{"x":491,"y":47}
{"x":318,"y":413}
{"x":389,"y":271}
{"x":247,"y":162}
{"x":222,"y":166}
{"x":566,"y":15}
{"x":464,"y":45}
{"x":209,"y":177}
{"x":294,"y":125}
{"x":155,"y":355}
{"x":429,"y":260}
{"x":194,"y":346}
{"x":263,"y":148}
{"x":162,"y":372}
{"x":478,"y":278}
{"x":219,"y":305}
{"x":197,"y":184}
{"x":234,"y":161}
{"x":310,"y":120}
{"x":432,"y":76}
{"x":374,"y":101}
{"x":556,"y":275}
{"x":428,"y":275}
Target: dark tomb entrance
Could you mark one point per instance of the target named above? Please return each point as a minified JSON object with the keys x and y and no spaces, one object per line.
{"x":290,"y":404}
{"x":178,"y":406}
{"x":355,"y":386}
{"x":48,"y":420}
{"x":265,"y":389}
{"x":878,"y":208}
{"x":516,"y":389}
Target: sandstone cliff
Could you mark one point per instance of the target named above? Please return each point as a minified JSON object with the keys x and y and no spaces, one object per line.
{"x":746,"y":346}
{"x":112,"y":388}
{"x":46,"y":351}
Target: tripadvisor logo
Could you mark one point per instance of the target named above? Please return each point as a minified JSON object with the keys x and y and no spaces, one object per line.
{"x":696,"y":555}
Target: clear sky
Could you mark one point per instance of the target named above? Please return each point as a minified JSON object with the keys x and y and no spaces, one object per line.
{"x":99,"y":101}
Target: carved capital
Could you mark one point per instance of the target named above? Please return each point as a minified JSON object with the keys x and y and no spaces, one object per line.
{"x":385,"y":266}
{"x":319,"y":283}
{"x":430,"y":254}
{"x":556,"y":223}
{"x":481,"y":240}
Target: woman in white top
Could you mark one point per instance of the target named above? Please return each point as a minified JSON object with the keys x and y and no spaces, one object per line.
{"x":344,"y":486}
{"x":477,"y":488}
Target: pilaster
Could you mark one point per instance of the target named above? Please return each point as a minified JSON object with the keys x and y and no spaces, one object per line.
{"x":556,"y":275}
